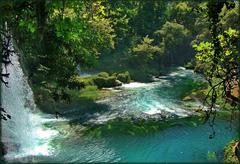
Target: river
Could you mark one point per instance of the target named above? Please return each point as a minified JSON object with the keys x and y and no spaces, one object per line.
{"x":33,"y":136}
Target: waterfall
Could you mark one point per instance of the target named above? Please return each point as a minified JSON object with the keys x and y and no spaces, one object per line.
{"x":83,"y":73}
{"x":23,"y":134}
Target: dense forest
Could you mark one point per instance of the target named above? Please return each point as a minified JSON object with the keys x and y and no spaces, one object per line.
{"x":73,"y":51}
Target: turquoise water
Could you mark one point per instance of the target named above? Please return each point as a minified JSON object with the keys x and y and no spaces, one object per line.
{"x":177,"y":144}
{"x":153,"y":101}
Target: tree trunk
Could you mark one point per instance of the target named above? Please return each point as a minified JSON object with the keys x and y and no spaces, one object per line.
{"x":41,"y":17}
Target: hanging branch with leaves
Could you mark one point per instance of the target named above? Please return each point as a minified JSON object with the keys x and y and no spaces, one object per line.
{"x":221,"y":57}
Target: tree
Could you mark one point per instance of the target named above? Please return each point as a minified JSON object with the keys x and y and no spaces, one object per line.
{"x":226,"y":68}
{"x":230,"y":16}
{"x":149,"y":17}
{"x":172,"y":39}
{"x":144,"y":52}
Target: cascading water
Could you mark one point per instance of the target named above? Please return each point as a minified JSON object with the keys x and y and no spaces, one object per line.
{"x":23,"y":134}
{"x":83,"y":73}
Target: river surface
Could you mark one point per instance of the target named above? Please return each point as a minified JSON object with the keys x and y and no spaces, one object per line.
{"x":32,"y":136}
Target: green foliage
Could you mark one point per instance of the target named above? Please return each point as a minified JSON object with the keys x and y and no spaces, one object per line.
{"x":229,"y":153}
{"x":62,"y":37}
{"x":149,"y":16}
{"x":172,"y":34}
{"x":144,"y":52}
{"x":182,"y":13}
{"x":173,"y":40}
{"x":229,"y":53}
{"x":230,"y":17}
{"x":138,"y":36}
{"x":221,"y":100}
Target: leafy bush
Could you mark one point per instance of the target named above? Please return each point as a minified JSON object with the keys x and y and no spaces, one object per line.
{"x":124,"y":77}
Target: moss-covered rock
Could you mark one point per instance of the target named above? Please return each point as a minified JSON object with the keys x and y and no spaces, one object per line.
{"x":136,"y":125}
{"x":103,"y":74}
{"x":124,"y":77}
{"x":189,"y":65}
{"x":102,"y":82}
{"x":80,"y":82}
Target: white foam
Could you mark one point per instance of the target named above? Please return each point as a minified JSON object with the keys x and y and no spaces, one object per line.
{"x":181,"y":68}
{"x":134,"y":85}
{"x":153,"y":111}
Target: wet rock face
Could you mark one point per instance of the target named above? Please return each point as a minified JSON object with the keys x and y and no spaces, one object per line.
{"x":118,"y":83}
{"x":9,"y":147}
{"x":3,"y":149}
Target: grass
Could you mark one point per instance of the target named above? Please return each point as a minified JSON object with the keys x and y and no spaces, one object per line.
{"x":88,"y":93}
{"x":138,"y":126}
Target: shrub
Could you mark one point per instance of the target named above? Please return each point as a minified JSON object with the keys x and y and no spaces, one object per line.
{"x":124,"y":77}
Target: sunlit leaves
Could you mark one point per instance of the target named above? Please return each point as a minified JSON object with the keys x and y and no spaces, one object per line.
{"x":29,"y":25}
{"x":171,"y":36}
{"x":227,"y":58}
{"x":144,"y":51}
{"x":205,"y":51}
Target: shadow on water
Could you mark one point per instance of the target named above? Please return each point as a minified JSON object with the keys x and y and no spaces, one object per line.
{"x":83,"y":111}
